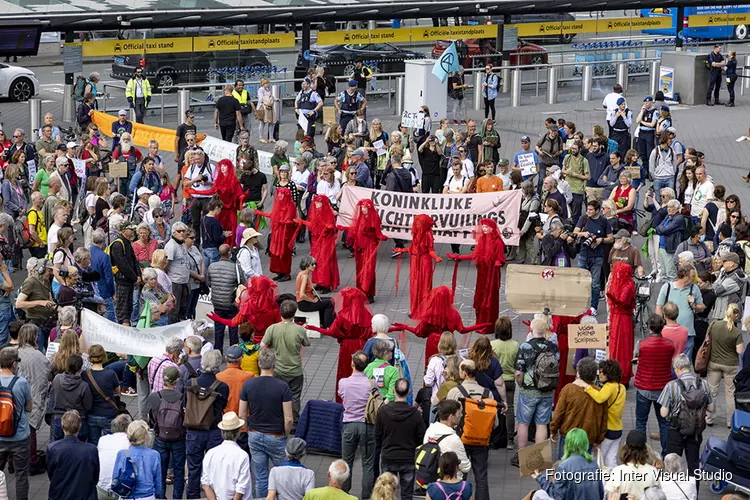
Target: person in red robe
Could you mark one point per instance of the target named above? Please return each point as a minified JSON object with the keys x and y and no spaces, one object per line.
{"x":364,"y":237}
{"x":352,"y":327}
{"x":230,"y":192}
{"x":437,"y":314}
{"x":321,"y":222}
{"x":283,"y":233}
{"x":257,"y":306}
{"x":421,"y":265}
{"x":621,"y":305}
{"x":488,"y":256}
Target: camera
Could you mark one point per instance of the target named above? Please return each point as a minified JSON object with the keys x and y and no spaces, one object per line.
{"x":587,"y":242}
{"x":205,"y":178}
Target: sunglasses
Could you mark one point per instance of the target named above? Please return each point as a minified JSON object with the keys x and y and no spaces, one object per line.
{"x":461,"y":150}
{"x":158,"y":216}
{"x":179,"y":230}
{"x":734,"y":217}
{"x":17,"y":136}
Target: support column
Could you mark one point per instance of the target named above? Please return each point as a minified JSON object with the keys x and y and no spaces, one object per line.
{"x":69,"y":110}
{"x":678,"y":28}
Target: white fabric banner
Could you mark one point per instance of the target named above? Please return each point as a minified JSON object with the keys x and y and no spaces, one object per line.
{"x":455,"y":215}
{"x":129,"y":340}
{"x":218,"y":150}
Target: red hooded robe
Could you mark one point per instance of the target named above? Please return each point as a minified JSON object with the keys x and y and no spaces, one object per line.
{"x":621,"y":305}
{"x":421,"y":263}
{"x":352,"y":327}
{"x":231,"y":195}
{"x":283,"y":231}
{"x":364,"y":236}
{"x":257,"y":306}
{"x":321,"y":222}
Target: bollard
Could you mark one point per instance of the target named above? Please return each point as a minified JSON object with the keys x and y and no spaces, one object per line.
{"x":399,"y":95}
{"x":35,"y":117}
{"x":277,"y":107}
{"x":478,"y":101}
{"x":653,"y":77}
{"x":746,"y":81}
{"x":586,"y":81}
{"x":515,"y":90}
{"x":506,"y":77}
{"x":552,"y":85}
{"x":131,"y":112}
{"x":69,"y":105}
{"x":183,"y":104}
{"x":622,"y":75}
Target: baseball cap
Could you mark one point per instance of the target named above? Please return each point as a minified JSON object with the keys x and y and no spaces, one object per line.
{"x":525,"y":138}
{"x":353,"y":83}
{"x":308,"y":80}
{"x":731,"y":257}
{"x":71,"y":145}
{"x":620,"y":100}
{"x":234,"y":352}
{"x":622,"y":233}
{"x":358,"y":152}
{"x":189,"y":112}
{"x":553,"y":128}
{"x":143,"y":190}
{"x":122,"y":112}
{"x":62,"y":147}
{"x":648,"y":98}
{"x":503,"y":162}
{"x":636,"y":439}
{"x":665,"y":108}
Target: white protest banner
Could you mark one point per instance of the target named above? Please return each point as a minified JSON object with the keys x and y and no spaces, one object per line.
{"x":218,"y":150}
{"x":80,"y":168}
{"x":455,"y":215}
{"x":129,"y":340}
{"x":412,"y":120}
{"x":31,"y":165}
{"x":527,"y":164}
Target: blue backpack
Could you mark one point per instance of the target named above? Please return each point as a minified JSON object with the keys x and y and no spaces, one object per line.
{"x":124,"y":484}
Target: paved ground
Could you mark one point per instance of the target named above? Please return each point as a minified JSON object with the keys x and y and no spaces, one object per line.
{"x":712,"y":130}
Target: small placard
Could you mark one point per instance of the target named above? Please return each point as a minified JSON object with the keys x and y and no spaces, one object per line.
{"x":635,"y":171}
{"x":537,"y":457}
{"x":587,"y":336}
{"x":601,"y":355}
{"x":329,"y":115}
{"x":118,"y":169}
{"x":644,"y":291}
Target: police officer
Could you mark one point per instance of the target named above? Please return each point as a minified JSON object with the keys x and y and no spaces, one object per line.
{"x":715,"y":63}
{"x":647,"y":119}
{"x":348,"y":102}
{"x":308,"y":103}
{"x":138,"y":93}
{"x":246,"y":108}
{"x":362,"y":75}
{"x":731,"y":76}
{"x":619,"y":124}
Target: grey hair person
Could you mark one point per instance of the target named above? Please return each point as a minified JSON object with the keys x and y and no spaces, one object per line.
{"x":179,"y":226}
{"x":556,"y":224}
{"x":673,"y":463}
{"x":380,"y":323}
{"x":144,"y":225}
{"x":681,"y":362}
{"x":81,"y":254}
{"x":6,"y":220}
{"x":266,"y":359}
{"x":381,"y":348}
{"x":120,"y":423}
{"x":149,"y":273}
{"x":280,"y":148}
{"x":307,"y":262}
{"x":67,"y":316}
{"x":174,"y":344}
{"x":211,"y":361}
{"x":674,"y":204}
{"x":339,"y":472}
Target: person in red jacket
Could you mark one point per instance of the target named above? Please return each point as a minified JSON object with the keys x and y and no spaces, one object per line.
{"x":421,"y":265}
{"x":257,"y":306}
{"x":437,"y":314}
{"x":364,"y":237}
{"x":321,"y":221}
{"x":231,"y":194}
{"x":352,"y":327}
{"x":488,"y":256}
{"x":283,"y":233}
{"x":654,"y":359}
{"x":621,"y":304}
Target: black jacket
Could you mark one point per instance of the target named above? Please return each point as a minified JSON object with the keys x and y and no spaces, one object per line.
{"x":399,"y":180}
{"x":551,"y":246}
{"x":71,"y":393}
{"x":123,"y":258}
{"x":399,"y":429}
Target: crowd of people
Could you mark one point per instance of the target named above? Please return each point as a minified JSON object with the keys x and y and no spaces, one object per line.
{"x":152,"y":244}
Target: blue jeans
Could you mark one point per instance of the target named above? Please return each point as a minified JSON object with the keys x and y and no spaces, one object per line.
{"x":110,"y":314}
{"x":125,"y":375}
{"x":197,"y":444}
{"x":135,"y":315}
{"x":6,"y":316}
{"x":58,"y":434}
{"x":265,"y":447}
{"x":219,"y":328}
{"x":662,"y":183}
{"x":533,"y":409}
{"x":689,"y":346}
{"x":192,"y":303}
{"x":176,"y":452}
{"x":593,"y":263}
{"x":98,"y":427}
{"x":642,"y":407}
{"x":42,"y":340}
{"x":210,"y":255}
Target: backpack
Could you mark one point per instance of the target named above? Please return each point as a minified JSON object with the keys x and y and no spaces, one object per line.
{"x":199,"y":405}
{"x":9,"y":410}
{"x":108,"y":251}
{"x":374,"y":402}
{"x":169,"y":420}
{"x":80,"y":88}
{"x":427,"y":463}
{"x":124,"y":484}
{"x":691,"y":417}
{"x":478,"y":419}
{"x":22,"y":231}
{"x":545,"y":373}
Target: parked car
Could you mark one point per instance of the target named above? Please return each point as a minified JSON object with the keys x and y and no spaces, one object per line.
{"x":20,"y":84}
{"x":381,"y":57}
{"x":471,"y":49}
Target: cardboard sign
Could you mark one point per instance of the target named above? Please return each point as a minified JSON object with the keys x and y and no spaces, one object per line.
{"x":118,"y":169}
{"x":329,"y":115}
{"x":411,"y":119}
{"x":567,"y":293}
{"x":635,"y":171}
{"x":537,"y":457}
{"x":587,"y":336}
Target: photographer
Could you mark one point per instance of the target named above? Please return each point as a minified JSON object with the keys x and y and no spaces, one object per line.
{"x":528,"y":220}
{"x":86,"y":295}
{"x":66,"y":295}
{"x":200,"y":179}
{"x":591,"y":231}
{"x":35,"y":299}
{"x":555,"y":250}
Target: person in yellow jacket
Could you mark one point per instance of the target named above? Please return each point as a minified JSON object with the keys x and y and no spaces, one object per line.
{"x":247,"y":108}
{"x":138,"y":93}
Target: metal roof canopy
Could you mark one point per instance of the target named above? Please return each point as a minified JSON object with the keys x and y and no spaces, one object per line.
{"x":82,"y":15}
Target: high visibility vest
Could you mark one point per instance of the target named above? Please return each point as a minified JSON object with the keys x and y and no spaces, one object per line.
{"x":130,"y":88}
{"x":241,"y":97}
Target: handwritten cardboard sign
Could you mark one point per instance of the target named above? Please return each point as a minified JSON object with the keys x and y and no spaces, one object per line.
{"x":118,"y":169}
{"x":587,"y":336}
{"x":537,"y":457}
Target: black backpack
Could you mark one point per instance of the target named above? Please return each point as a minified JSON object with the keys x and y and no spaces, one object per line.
{"x":691,"y":416}
{"x":169,"y":420}
{"x":546,"y":370}
{"x":427,"y":464}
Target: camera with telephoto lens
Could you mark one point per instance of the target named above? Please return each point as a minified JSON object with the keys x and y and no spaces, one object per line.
{"x":587,"y":242}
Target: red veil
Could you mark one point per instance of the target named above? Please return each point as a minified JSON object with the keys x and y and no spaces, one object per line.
{"x":283,"y":227}
{"x":422,"y":240}
{"x":321,"y":221}
{"x":231,"y":195}
{"x":438,"y":310}
{"x":422,"y":266}
{"x":485,"y":252}
{"x":257,"y":306}
{"x":621,"y":304}
{"x":352,"y":307}
{"x":323,"y":218}
{"x":365,"y":225}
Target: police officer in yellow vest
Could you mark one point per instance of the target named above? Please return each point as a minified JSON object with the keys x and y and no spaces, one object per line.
{"x":138,"y":93}
{"x":247,"y":108}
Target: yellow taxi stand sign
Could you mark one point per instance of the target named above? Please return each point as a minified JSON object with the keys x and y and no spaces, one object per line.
{"x":705,"y":20}
{"x":190,"y":44}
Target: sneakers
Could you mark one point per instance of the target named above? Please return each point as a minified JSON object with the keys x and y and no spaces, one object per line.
{"x":394,"y":255}
{"x":591,"y":312}
{"x":129,"y":392}
{"x":709,"y":103}
{"x":514,"y":460}
{"x":729,"y":104}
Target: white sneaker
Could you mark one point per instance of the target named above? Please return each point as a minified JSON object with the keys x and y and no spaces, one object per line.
{"x":591,"y":312}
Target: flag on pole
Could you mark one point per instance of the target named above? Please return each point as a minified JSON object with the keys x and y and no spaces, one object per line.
{"x":446,"y":63}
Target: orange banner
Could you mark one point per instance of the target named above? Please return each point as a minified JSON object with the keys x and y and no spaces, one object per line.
{"x":142,"y":133}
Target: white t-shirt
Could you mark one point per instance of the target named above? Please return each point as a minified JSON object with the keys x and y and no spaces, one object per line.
{"x":455,"y":185}
{"x":701,"y":195}
{"x":506,"y":179}
{"x":679,"y":490}
{"x":467,"y":168}
{"x":52,"y":237}
{"x":194,"y":171}
{"x":632,"y":479}
{"x":610,"y":103}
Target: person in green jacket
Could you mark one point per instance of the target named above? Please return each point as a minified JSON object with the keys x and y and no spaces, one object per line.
{"x":380,"y":370}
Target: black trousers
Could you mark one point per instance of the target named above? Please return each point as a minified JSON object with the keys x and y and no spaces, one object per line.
{"x":677,"y":443}
{"x":198,"y":208}
{"x":489,"y":105}
{"x":479,"y":457}
{"x":731,"y":80}
{"x":140,"y":109}
{"x":714,"y":85}
{"x":227,"y":131}
{"x":645,"y":146}
{"x":432,"y":184}
{"x":324,"y":307}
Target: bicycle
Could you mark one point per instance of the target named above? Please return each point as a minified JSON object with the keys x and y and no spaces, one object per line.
{"x":643,"y":309}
